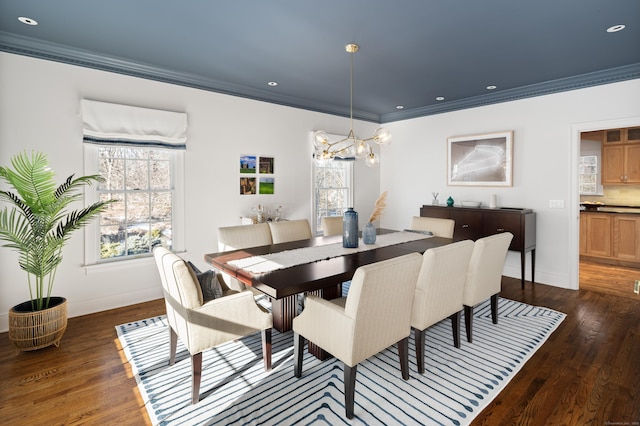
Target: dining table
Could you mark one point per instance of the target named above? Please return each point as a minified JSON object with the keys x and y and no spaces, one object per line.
{"x":322,"y":277}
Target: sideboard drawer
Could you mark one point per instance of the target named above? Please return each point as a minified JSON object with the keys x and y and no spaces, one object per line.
{"x":495,"y":223}
{"x":468,"y":224}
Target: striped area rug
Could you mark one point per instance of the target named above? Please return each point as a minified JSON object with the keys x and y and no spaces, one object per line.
{"x":235,"y":390}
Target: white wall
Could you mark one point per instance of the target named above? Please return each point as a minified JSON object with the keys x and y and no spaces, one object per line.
{"x":546,"y":146}
{"x":39,"y":110}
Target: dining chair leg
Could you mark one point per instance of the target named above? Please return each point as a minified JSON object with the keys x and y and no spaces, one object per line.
{"x":349,"y":388}
{"x":455,"y":325}
{"x":173,"y":344}
{"x":468,"y":322}
{"x":419,"y":338}
{"x":196,"y":375}
{"x":403,"y":352}
{"x":298,"y":348}
{"x":266,"y":348}
{"x":494,"y":308}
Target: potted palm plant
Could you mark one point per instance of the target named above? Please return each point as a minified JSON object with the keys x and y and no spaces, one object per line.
{"x":37,"y":224}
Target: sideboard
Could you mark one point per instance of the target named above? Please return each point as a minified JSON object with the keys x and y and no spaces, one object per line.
{"x":477,"y":222}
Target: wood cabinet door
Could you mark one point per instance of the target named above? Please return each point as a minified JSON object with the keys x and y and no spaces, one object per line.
{"x":626,"y":237}
{"x":599,"y":230}
{"x":613,"y":136}
{"x":497,"y":222}
{"x":468,"y":224}
{"x":633,"y":135}
{"x":632,"y":163}
{"x":613,"y":164}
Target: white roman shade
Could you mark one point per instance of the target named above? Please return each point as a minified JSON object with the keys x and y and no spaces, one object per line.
{"x":114,"y":124}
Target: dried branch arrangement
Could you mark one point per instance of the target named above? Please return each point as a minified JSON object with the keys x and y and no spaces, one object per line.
{"x":381,"y":203}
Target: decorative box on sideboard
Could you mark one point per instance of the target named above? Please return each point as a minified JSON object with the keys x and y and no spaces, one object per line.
{"x":477,"y":222}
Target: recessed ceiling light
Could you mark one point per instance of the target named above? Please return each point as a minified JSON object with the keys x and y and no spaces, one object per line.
{"x":492,"y":87}
{"x":272,"y":83}
{"x":615,"y":28}
{"x":440,"y":98}
{"x":27,"y":21}
{"x":400,"y":107}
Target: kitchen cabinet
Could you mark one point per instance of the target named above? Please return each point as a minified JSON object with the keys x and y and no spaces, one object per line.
{"x":610,"y":237}
{"x":626,"y":237}
{"x":473,"y":223}
{"x":621,"y":156}
{"x":598,"y":234}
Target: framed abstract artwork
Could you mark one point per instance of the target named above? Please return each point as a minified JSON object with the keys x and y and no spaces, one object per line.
{"x":480,"y":160}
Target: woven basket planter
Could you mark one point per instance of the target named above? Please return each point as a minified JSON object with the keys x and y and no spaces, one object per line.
{"x":30,"y":330}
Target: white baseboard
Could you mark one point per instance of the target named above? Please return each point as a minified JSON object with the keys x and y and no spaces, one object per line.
{"x":542,"y":277}
{"x":78,"y":308}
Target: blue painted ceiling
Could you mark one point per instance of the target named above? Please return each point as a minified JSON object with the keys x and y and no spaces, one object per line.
{"x":411,"y":51}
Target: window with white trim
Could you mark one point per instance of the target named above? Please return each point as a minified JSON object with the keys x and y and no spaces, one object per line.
{"x":139,"y":152}
{"x":332,"y":189}
{"x":148,"y":188}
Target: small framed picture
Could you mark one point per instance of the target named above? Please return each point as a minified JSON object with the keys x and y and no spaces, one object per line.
{"x":266,"y":165}
{"x":247,"y":186}
{"x":267,"y":185}
{"x":247,"y":164}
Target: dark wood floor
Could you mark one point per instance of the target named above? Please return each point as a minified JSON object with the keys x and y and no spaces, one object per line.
{"x":587,"y":373}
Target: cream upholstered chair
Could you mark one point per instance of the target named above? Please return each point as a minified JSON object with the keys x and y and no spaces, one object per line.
{"x":484,"y":276}
{"x":438,"y":293}
{"x":239,"y":237}
{"x":440,"y":227}
{"x":331,"y":225}
{"x":243,"y":236}
{"x":290,"y":230}
{"x":201,"y":326}
{"x":374,"y":316}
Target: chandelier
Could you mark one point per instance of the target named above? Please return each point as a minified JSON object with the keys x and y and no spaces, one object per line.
{"x":351,"y":146}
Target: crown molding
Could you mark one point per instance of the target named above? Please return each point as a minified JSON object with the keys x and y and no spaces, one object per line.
{"x":27,"y":46}
{"x":612,"y":75}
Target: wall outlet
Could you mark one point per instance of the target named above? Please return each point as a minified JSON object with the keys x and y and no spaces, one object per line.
{"x":556,"y":204}
{"x":636,"y":288}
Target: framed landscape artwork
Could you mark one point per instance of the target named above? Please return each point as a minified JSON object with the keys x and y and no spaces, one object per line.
{"x":480,"y":160}
{"x":247,"y":164}
{"x":267,"y":185}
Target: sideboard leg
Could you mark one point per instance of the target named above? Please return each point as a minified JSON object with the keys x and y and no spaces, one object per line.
{"x":522,"y":258}
{"x":533,"y":265}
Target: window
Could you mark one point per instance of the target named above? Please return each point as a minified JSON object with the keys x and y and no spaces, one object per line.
{"x":589,"y":173}
{"x":140,"y":154}
{"x":146,"y":184}
{"x":333,"y":190}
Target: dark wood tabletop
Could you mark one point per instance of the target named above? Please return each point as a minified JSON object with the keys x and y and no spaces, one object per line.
{"x":317,"y":275}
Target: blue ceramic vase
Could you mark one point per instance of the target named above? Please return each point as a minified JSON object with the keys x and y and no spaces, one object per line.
{"x":350,"y":229}
{"x":369,"y":233}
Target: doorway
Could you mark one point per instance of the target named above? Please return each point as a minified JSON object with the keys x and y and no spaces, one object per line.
{"x":592,"y":274}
